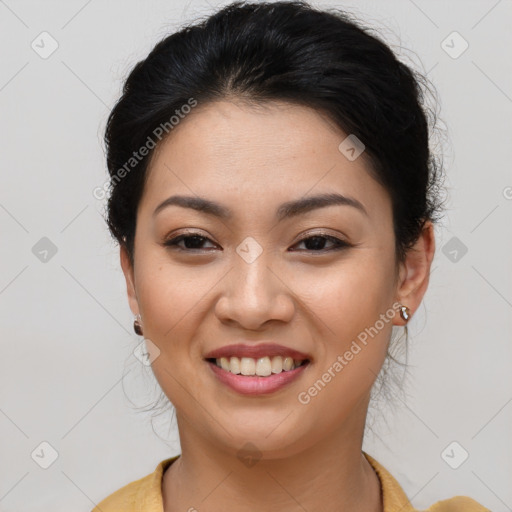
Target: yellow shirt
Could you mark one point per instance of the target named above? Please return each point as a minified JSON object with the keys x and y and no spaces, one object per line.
{"x":145,"y":494}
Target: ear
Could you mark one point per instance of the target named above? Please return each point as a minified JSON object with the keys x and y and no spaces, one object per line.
{"x":128,"y":272}
{"x":415,"y":271}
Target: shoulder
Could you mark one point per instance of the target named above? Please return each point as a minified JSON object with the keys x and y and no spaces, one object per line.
{"x":126,"y":498}
{"x":394,"y":497}
{"x":144,"y":494}
{"x":458,"y":504}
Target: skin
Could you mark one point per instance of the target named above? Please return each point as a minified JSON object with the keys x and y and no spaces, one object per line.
{"x":191,"y":301}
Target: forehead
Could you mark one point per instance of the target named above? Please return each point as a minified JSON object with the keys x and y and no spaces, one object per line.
{"x":235,"y":152}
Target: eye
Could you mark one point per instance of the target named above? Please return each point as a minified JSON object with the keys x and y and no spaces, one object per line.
{"x":191,"y":241}
{"x":317,"y":243}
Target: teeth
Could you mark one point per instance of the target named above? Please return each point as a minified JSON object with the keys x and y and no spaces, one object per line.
{"x":287,"y":363}
{"x":263,"y":367}
{"x":277,"y":364}
{"x":247,"y":366}
{"x":234,"y":365}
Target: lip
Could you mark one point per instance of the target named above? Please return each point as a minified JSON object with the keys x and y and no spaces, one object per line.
{"x":256,"y":351}
{"x":249,"y":385}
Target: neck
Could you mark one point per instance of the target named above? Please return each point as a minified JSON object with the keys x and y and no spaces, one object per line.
{"x":213,"y":478}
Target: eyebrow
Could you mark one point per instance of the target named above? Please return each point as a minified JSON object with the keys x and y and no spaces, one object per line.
{"x":285,"y":210}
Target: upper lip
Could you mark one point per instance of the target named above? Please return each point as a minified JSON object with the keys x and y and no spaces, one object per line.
{"x":256,"y":351}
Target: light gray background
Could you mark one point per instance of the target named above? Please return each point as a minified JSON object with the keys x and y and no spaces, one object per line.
{"x":66,"y":329}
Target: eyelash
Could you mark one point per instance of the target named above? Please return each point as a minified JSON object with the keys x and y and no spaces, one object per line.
{"x":339,"y":244}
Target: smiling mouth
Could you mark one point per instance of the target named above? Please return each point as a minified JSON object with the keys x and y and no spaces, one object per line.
{"x":261,"y":367}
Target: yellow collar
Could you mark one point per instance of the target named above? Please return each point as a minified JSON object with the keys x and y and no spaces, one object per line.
{"x":145,"y":494}
{"x":149,"y":494}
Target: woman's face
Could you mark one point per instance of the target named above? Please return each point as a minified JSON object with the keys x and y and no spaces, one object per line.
{"x":251,"y":278}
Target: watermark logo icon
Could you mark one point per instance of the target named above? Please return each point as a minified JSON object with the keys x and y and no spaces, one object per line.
{"x":454,"y":45}
{"x":249,"y":249}
{"x":146,"y":352}
{"x":44,"y":45}
{"x":44,"y":250}
{"x":351,"y":147}
{"x":249,"y":454}
{"x":454,"y":249}
{"x":454,"y":455}
{"x":44,"y":455}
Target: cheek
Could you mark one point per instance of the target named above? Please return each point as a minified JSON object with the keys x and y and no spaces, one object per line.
{"x":171,"y":299}
{"x":350,"y":302}
{"x":354,"y":307}
{"x":348,"y":297}
{"x":172,"y":308}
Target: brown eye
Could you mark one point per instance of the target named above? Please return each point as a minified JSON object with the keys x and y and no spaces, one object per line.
{"x":317,"y":243}
{"x":191,"y":242}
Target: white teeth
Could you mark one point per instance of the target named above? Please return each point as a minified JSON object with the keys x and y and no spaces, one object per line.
{"x":234,"y":365}
{"x":263,"y":367}
{"x":247,"y":366}
{"x":277,"y":364}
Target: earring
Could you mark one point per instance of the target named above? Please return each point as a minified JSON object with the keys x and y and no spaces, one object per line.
{"x":405,"y":313}
{"x":137,"y":326}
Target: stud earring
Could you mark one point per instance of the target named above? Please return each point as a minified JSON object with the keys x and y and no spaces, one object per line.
{"x":137,"y":325}
{"x":405,"y":313}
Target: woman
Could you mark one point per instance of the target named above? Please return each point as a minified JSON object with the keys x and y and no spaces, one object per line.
{"x":274,"y":198}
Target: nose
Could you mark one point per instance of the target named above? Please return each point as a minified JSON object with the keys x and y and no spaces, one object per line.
{"x":255,"y":294}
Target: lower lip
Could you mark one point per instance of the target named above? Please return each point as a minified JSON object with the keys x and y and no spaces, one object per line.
{"x":249,"y":385}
